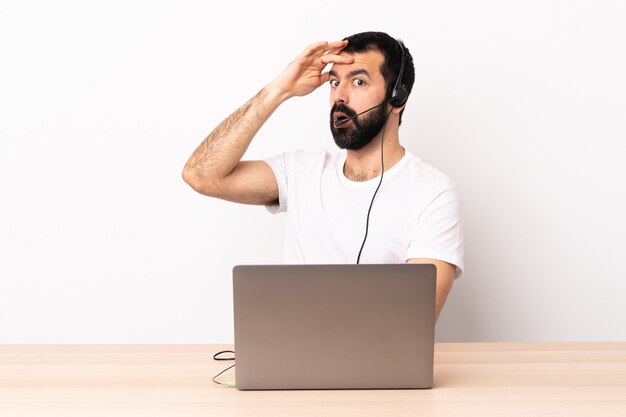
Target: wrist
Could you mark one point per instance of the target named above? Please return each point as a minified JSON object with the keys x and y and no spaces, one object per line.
{"x":276,"y":93}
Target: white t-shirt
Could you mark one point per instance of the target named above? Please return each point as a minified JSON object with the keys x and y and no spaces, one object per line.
{"x":416,"y":213}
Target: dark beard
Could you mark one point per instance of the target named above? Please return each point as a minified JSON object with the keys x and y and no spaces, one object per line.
{"x":364,"y":128}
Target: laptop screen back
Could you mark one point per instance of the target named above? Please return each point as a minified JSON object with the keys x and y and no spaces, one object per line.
{"x":334,"y":326}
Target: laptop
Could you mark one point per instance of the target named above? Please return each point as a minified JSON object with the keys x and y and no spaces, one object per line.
{"x":334,"y":326}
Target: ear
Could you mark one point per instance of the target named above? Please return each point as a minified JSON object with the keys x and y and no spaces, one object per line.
{"x":397,"y":110}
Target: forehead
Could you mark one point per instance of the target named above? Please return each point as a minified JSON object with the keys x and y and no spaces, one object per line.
{"x":370,"y":61}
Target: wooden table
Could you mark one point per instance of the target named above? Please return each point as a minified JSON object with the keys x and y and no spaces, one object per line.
{"x":556,"y":379}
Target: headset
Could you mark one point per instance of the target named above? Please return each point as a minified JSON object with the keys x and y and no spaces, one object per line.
{"x":399,"y":94}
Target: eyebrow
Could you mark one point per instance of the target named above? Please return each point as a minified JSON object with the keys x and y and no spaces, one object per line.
{"x":352,"y":73}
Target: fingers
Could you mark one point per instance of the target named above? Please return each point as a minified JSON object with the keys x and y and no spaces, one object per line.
{"x":324,"y":77}
{"x":328,"y":53}
{"x":337,"y":46}
{"x":322,"y":47}
{"x":331,"y":58}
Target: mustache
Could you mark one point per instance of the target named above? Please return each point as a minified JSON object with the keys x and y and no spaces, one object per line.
{"x":340,"y":107}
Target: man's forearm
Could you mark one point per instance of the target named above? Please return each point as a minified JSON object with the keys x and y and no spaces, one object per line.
{"x":221,"y":151}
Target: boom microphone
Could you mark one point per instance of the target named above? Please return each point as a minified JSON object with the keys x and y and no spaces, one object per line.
{"x":345,"y":120}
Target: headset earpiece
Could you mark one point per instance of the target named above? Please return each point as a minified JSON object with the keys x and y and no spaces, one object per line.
{"x":399,"y":94}
{"x":399,"y":97}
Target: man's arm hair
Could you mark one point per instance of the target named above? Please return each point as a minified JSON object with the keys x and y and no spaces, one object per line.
{"x":215,"y":167}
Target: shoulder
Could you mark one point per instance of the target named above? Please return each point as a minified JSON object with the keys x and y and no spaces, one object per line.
{"x":427,"y":177}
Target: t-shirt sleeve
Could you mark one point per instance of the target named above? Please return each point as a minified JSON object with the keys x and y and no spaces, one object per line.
{"x":278,"y":164}
{"x":438,"y":233}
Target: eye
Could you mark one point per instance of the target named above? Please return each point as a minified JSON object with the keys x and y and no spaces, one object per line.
{"x":359,"y":82}
{"x":334,"y":83}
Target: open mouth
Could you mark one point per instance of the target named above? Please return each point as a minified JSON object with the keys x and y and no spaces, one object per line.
{"x":340,"y":118}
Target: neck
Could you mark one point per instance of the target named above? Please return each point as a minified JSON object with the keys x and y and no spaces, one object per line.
{"x":364,"y":164}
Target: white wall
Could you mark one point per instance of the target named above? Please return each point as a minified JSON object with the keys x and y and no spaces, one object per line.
{"x":522,"y":103}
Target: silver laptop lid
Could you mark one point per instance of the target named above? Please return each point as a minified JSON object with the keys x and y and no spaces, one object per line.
{"x":334,"y":326}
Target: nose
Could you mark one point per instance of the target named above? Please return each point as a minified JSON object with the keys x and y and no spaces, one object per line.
{"x":339,"y":94}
